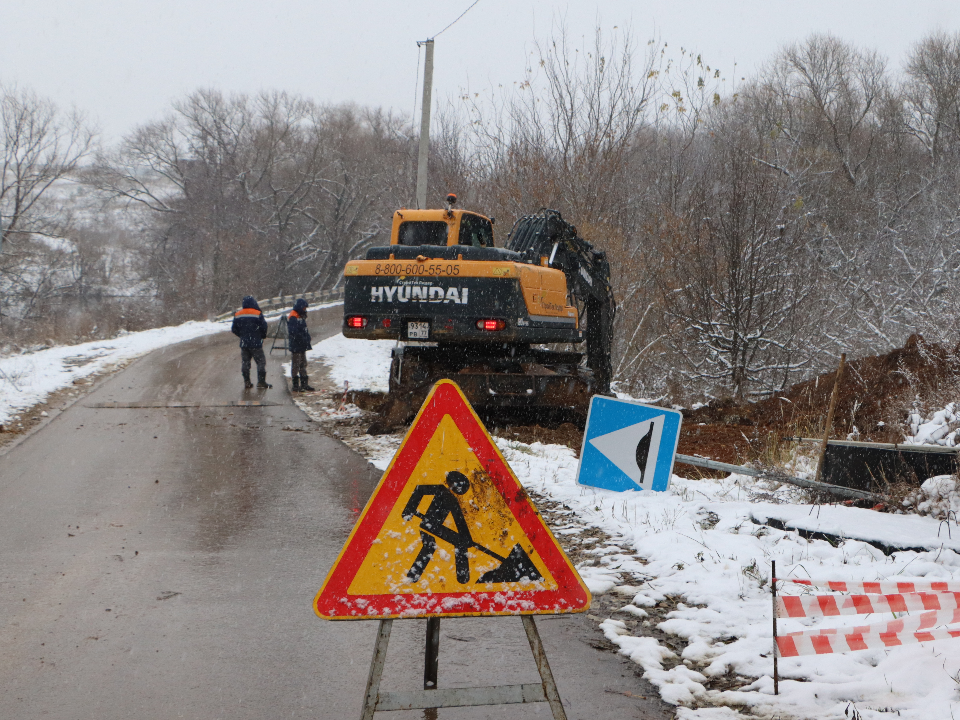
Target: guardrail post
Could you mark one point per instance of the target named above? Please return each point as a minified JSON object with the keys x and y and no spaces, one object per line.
{"x":776,"y":649}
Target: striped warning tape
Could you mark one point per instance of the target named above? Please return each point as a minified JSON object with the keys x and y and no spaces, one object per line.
{"x":823,"y":644}
{"x":938,"y":603}
{"x":797,"y":606}
{"x":880,"y":586}
{"x":906,"y":624}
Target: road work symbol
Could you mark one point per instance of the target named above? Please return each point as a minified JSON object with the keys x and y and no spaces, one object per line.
{"x":514,"y":567}
{"x":628,"y":445}
{"x":449,"y":531}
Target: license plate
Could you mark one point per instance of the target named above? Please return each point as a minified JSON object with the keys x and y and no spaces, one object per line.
{"x":418,"y":331}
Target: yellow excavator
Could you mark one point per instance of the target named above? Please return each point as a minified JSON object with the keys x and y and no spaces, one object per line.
{"x":464,"y":309}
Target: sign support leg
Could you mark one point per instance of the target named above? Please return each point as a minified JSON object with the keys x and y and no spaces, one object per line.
{"x":546,"y":675}
{"x":431,"y":662}
{"x":376,"y":670}
{"x":432,"y":655}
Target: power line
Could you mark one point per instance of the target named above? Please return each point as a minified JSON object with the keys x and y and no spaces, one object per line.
{"x":458,"y":18}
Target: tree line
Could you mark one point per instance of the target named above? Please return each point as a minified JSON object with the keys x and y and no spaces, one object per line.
{"x":756,"y":229}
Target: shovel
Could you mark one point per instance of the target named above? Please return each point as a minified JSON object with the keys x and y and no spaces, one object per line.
{"x":512,"y":568}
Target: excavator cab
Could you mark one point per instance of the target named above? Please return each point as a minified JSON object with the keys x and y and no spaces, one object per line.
{"x":441,"y":228}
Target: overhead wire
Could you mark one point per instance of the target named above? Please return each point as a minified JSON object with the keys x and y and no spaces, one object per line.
{"x":458,"y":18}
{"x":420,"y":43}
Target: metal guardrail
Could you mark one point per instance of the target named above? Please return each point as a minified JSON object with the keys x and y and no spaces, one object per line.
{"x":284,"y":301}
{"x":881,"y":446}
{"x":780,"y":477}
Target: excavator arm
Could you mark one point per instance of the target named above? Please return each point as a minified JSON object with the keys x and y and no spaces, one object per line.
{"x":547,"y":235}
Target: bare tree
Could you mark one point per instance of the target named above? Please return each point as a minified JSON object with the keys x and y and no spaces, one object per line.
{"x":933,"y":94}
{"x":42,"y":148}
{"x":268,"y":194}
{"x":829,"y":95}
{"x":737,"y":275}
{"x":563,"y":138}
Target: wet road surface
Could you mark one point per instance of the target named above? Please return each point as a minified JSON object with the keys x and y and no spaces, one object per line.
{"x":159,"y":561}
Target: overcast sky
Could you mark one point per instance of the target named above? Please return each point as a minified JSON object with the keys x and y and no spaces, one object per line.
{"x":123,"y":61}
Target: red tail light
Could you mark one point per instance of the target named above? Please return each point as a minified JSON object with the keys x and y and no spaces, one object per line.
{"x":356,"y":322}
{"x":491,"y":324}
{"x":387,"y":322}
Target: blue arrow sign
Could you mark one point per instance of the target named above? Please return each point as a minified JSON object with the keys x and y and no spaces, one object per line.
{"x":628,"y":445}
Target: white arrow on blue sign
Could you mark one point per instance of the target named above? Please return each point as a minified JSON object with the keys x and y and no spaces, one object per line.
{"x":628,"y":445}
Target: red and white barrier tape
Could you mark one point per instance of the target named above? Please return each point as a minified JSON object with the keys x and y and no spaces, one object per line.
{"x":906,"y":624}
{"x":938,"y":601}
{"x":797,"y":606}
{"x":880,"y":586}
{"x":824,"y":644}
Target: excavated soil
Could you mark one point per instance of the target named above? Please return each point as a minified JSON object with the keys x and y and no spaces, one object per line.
{"x":875,"y":395}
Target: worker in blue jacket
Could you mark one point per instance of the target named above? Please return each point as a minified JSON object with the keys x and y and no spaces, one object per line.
{"x":298,"y":339}
{"x":251,"y":327}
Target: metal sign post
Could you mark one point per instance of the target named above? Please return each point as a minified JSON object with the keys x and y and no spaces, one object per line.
{"x":776,"y":649}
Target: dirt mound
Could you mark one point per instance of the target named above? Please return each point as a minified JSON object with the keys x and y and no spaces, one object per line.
{"x":565,"y":434}
{"x":875,"y":395}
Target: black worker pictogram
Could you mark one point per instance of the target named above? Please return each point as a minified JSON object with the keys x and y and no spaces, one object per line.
{"x":516,"y":566}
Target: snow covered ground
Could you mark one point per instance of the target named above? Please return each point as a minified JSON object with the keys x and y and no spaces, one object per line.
{"x":28,"y":378}
{"x":939,"y":429}
{"x":699,"y":549}
{"x":365,"y":366}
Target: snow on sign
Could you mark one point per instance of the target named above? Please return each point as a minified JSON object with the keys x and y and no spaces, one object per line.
{"x":449,"y":531}
{"x":628,"y":445}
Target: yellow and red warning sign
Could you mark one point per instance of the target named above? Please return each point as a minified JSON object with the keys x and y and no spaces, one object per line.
{"x":449,"y":531}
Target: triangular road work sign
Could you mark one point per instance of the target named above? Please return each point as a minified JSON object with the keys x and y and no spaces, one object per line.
{"x":449,"y":531}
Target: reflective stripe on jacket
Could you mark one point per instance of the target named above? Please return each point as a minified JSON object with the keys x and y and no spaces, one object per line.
{"x":297,"y":333}
{"x":251,"y":327}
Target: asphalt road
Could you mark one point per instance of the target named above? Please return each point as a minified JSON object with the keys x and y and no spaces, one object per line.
{"x":160,"y":562}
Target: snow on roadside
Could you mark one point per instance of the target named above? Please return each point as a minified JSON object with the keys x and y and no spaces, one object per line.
{"x":28,"y":378}
{"x":940,"y":429}
{"x":706,"y":574}
{"x":365,"y":366}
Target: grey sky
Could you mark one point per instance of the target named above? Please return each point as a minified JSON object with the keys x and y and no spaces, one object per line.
{"x":123,"y":61}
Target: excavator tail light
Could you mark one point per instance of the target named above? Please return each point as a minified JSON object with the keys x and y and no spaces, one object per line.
{"x":491,"y":324}
{"x":356,"y":321}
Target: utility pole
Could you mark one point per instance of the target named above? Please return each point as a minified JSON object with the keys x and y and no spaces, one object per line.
{"x":425,"y":126}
